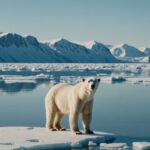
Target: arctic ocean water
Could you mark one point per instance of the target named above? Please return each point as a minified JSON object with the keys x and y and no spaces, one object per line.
{"x":120,"y":108}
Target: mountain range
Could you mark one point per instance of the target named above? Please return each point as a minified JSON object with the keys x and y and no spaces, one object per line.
{"x":129,"y":53}
{"x":27,"y":49}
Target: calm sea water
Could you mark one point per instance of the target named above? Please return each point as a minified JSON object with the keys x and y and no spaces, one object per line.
{"x":122,"y":109}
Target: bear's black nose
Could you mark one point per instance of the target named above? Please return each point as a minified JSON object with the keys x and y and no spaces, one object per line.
{"x":93,"y":86}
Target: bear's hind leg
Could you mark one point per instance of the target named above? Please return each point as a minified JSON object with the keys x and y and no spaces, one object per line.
{"x":57,"y":121}
{"x":50,"y":115}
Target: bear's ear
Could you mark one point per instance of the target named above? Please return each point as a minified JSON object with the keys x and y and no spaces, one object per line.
{"x":83,"y":79}
{"x":99,"y":80}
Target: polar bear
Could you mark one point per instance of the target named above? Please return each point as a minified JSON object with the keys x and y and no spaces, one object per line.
{"x":73,"y":100}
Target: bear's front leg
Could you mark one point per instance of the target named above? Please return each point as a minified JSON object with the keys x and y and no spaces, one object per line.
{"x":73,"y":121}
{"x":86,"y":117}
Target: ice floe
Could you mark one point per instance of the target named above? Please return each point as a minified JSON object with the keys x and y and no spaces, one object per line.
{"x":12,"y":73}
{"x":141,"y":145}
{"x":40,"y":138}
{"x":114,"y":146}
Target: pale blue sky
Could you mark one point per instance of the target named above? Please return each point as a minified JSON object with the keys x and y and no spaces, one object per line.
{"x":107,"y":21}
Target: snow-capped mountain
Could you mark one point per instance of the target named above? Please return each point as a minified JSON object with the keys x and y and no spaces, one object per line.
{"x":145,"y":50}
{"x":74,"y":52}
{"x":125,"y":50}
{"x":18,"y":48}
{"x":101,"y":51}
{"x":69,"y":51}
{"x":128,"y":53}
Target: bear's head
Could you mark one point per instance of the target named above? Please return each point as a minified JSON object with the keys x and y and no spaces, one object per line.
{"x":91,"y":83}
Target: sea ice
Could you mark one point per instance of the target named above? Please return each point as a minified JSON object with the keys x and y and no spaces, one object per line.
{"x":114,"y":146}
{"x":110,"y":73}
{"x":38,"y":138}
{"x":141,"y":145}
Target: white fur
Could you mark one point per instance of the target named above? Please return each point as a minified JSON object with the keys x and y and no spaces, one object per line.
{"x":73,"y":100}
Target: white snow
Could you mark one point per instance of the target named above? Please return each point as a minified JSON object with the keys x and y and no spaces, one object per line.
{"x":146,"y":51}
{"x":89,"y":44}
{"x":3,"y":34}
{"x":114,"y":146}
{"x":125,"y":50}
{"x":53,"y":41}
{"x":141,"y":145}
{"x":40,"y":138}
{"x":23,"y":79}
{"x":22,"y":138}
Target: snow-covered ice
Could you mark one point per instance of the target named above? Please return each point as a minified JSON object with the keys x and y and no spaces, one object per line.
{"x":141,"y":145}
{"x":40,"y":138}
{"x":114,"y":146}
{"x":109,"y":73}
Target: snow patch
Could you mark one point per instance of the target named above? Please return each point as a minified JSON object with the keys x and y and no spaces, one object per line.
{"x":38,"y":138}
{"x":141,"y":145}
{"x":114,"y":146}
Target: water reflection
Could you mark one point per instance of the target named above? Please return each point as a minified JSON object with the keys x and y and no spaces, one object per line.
{"x":14,"y":84}
{"x":14,"y":87}
{"x":118,"y":108}
{"x":17,"y":87}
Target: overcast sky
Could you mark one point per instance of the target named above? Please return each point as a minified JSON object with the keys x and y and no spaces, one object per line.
{"x":107,"y":21}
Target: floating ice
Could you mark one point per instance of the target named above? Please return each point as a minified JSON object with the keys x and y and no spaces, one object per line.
{"x":114,"y":146}
{"x":141,"y":145}
{"x":38,"y":138}
{"x":110,"y":73}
